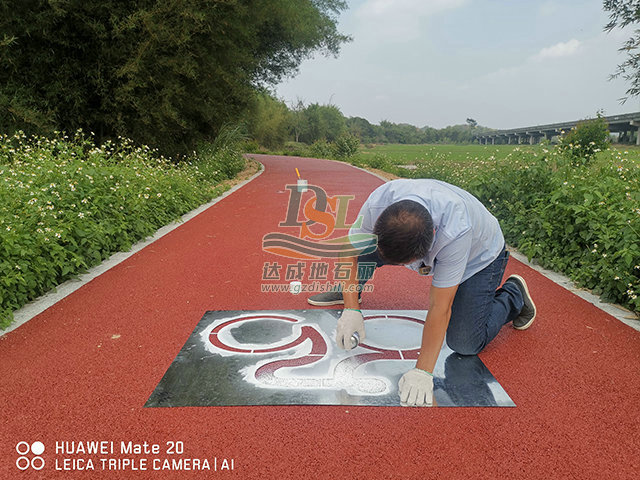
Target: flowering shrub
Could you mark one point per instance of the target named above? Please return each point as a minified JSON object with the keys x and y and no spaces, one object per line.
{"x":67,"y":204}
{"x":586,"y":139}
{"x":584,"y":222}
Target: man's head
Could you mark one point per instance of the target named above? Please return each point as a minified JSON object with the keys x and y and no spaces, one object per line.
{"x":405,"y":232}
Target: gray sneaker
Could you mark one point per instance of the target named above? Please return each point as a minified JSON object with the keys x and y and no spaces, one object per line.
{"x":528,"y":312}
{"x":327,"y":299}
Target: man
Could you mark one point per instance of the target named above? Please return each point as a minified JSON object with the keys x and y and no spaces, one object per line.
{"x":441,"y":230}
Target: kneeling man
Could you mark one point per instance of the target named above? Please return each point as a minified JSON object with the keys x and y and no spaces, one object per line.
{"x":437,"y":229}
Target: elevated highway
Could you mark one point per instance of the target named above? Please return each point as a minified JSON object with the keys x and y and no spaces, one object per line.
{"x":625,"y":125}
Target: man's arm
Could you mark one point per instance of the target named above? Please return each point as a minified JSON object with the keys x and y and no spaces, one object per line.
{"x":416,"y":386}
{"x":349,"y":293}
{"x":435,"y":326}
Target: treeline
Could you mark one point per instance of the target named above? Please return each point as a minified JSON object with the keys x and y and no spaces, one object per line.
{"x":165,"y":74}
{"x":172,"y":75}
{"x":271,"y":122}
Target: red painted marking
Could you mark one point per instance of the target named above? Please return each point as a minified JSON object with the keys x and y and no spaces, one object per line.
{"x":215,"y":341}
{"x":269,"y":369}
{"x":218,"y":328}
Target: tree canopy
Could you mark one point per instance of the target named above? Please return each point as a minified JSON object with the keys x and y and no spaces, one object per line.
{"x":622,"y":14}
{"x":167,"y":73}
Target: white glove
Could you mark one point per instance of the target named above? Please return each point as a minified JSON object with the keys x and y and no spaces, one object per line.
{"x":416,"y":388}
{"x":350,"y":321}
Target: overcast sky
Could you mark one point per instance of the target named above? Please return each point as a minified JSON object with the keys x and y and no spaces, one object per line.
{"x":505,"y":63}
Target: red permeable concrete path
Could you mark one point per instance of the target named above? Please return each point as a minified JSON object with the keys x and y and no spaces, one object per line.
{"x":83,"y":369}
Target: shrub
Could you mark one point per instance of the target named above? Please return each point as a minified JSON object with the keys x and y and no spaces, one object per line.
{"x":586,"y":139}
{"x":67,"y":204}
{"x":346,"y":145}
{"x":321,"y":149}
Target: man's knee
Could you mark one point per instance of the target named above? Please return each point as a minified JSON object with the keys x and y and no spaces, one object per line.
{"x":463,"y":345}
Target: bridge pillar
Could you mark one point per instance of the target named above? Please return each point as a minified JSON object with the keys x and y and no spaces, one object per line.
{"x":636,"y":124}
{"x":493,"y":140}
{"x":532,"y":139}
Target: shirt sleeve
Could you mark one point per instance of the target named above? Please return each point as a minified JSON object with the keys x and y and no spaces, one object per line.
{"x":367,"y":223}
{"x":451,"y":261}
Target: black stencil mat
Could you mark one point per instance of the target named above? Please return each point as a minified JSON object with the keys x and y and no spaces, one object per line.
{"x":289,"y":357}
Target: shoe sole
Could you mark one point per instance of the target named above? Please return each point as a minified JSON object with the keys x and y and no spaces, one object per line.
{"x":327,"y":303}
{"x":535,"y":310}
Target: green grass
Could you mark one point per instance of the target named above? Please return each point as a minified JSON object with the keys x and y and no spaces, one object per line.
{"x":462,"y":154}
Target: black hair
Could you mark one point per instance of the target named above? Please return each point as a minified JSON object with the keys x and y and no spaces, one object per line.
{"x":405,"y":232}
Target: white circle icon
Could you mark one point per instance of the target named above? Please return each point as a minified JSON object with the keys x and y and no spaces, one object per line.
{"x":40,"y":466}
{"x":37,"y":448}
{"x":22,"y":463}
{"x":22,"y":448}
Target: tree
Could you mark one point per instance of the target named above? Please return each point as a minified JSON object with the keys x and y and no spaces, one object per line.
{"x":622,"y":14}
{"x":361,"y":128}
{"x":267,"y":120}
{"x":297,"y":120}
{"x":166,"y":73}
{"x":322,"y":122}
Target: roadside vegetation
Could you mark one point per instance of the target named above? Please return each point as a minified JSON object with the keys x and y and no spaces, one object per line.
{"x":573,"y":207}
{"x":157,"y":84}
{"x":66,"y":203}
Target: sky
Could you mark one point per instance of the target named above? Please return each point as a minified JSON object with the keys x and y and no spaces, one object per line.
{"x":504,"y":63}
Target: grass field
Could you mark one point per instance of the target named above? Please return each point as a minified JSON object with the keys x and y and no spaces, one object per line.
{"x":464,"y":154}
{"x":412,"y":154}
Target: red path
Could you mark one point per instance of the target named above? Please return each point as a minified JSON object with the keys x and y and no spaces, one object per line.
{"x":83,"y":369}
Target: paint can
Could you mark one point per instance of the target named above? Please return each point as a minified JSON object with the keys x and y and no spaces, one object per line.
{"x":302,"y":185}
{"x":355,"y":340}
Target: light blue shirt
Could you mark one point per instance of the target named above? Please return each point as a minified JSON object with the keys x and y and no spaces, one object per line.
{"x":467,"y":237}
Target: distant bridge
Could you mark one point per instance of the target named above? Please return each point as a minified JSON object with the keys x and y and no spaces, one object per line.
{"x":626,"y":125}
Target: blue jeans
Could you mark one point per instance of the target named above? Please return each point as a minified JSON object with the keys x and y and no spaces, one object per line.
{"x":480,"y":309}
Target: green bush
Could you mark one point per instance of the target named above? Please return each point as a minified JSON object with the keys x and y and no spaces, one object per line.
{"x":583,"y":141}
{"x":66,"y":204}
{"x":345,"y":146}
{"x":381,"y":162}
{"x":321,"y":149}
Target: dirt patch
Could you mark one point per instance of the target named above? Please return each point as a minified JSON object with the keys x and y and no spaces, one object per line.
{"x":250,"y":169}
{"x":382,"y":173}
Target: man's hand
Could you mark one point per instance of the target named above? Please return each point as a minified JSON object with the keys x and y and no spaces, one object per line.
{"x":416,"y":389}
{"x":350,"y":321}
